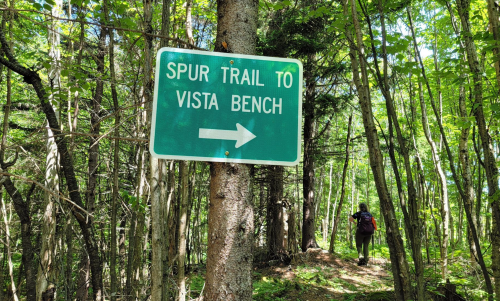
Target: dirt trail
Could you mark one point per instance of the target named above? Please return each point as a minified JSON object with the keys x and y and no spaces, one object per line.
{"x":317,"y":275}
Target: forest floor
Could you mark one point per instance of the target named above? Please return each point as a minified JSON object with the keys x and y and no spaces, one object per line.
{"x":317,"y":275}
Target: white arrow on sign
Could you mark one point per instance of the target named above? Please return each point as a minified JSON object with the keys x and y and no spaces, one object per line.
{"x":241,"y":135}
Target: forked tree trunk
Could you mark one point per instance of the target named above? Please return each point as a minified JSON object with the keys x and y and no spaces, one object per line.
{"x":410,"y":212}
{"x":400,"y":268}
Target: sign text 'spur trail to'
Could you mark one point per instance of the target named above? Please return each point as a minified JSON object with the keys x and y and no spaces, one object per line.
{"x":220,"y":107}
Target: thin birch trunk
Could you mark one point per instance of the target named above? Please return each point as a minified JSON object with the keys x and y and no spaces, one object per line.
{"x":167,"y":231}
{"x":342,"y":195}
{"x":436,"y":160}
{"x":6,"y":221}
{"x":335,"y":203}
{"x":189,"y":22}
{"x":184,"y":187}
{"x":46,"y":268}
{"x":326,"y":220}
{"x":114,"y":283}
{"x":68,"y":272}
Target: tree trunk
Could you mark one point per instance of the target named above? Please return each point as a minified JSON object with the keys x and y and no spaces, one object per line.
{"x":114,"y":284}
{"x":342,"y":195}
{"x":308,"y":211}
{"x":68,"y":272}
{"x":22,"y":209}
{"x":411,"y":218}
{"x":167,"y":230}
{"x":326,"y":220}
{"x":276,"y":235}
{"x":8,"y":245}
{"x":231,"y":218}
{"x":490,"y":164}
{"x":463,"y":7}
{"x":189,"y":22}
{"x":165,"y":22}
{"x":46,"y":267}
{"x":437,"y":163}
{"x":493,"y":20}
{"x":402,"y":283}
{"x":184,"y":186}
{"x":82,"y":292}
{"x":466,"y":173}
{"x":230,"y":234}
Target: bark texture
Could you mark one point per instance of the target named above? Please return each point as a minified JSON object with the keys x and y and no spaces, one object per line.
{"x":46,"y":268}
{"x":308,"y":181}
{"x":230,"y":234}
{"x":276,"y":235}
{"x":231,"y":217}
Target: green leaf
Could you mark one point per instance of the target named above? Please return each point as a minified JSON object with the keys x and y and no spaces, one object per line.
{"x":495,"y":107}
{"x":74,"y":89}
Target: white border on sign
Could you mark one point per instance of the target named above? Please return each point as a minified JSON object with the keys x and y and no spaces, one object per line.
{"x":216,"y":159}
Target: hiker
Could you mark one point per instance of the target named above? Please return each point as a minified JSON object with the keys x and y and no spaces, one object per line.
{"x":366,"y":226}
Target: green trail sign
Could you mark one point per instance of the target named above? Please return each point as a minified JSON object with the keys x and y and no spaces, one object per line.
{"x":211,"y":106}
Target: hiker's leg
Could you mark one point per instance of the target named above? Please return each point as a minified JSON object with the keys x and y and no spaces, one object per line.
{"x":359,"y":244}
{"x":366,"y":248}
